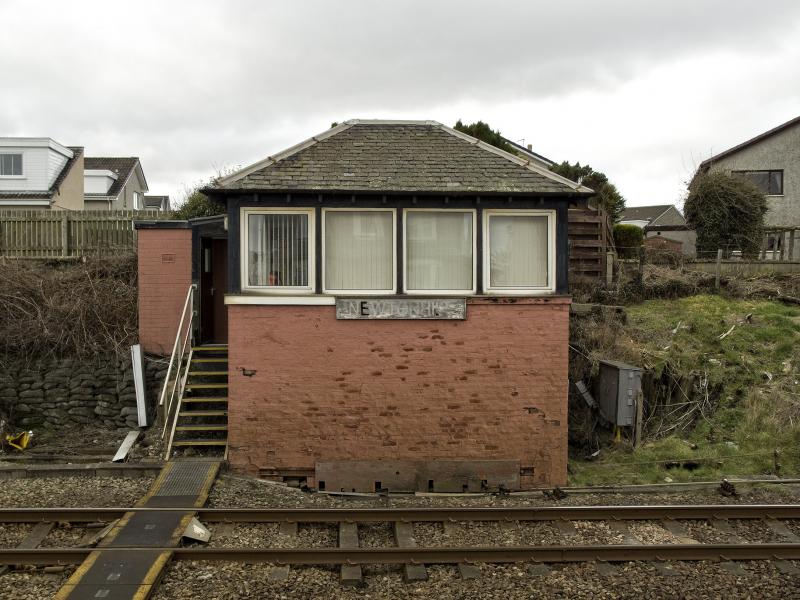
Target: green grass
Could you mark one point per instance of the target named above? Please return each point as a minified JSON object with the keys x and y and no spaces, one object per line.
{"x":753,"y":371}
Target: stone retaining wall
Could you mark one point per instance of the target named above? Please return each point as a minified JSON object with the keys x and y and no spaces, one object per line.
{"x":56,"y":392}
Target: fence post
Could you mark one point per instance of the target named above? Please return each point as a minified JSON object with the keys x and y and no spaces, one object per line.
{"x":609,"y":268}
{"x":718,"y":269}
{"x":791,"y":244}
{"x":641,"y":264}
{"x":64,"y":233}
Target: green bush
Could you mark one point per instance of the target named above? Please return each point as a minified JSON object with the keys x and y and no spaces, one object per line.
{"x":726,"y":212}
{"x":628,"y":239}
{"x":199,"y":205}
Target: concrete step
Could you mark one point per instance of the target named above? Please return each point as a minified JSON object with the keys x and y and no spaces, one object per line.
{"x":211,"y":348}
{"x":203,"y":427}
{"x":209,"y":359}
{"x":202,"y":400}
{"x":203,"y":413}
{"x":208,"y":373}
{"x":206,"y":386}
{"x":200,"y":442}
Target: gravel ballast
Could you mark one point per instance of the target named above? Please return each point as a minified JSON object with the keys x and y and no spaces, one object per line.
{"x":73,"y":492}
{"x":229,"y":581}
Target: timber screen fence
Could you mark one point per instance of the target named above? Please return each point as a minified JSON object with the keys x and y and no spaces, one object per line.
{"x":67,"y":234}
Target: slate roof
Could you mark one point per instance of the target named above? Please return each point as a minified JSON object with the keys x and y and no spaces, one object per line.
{"x":704,"y":166}
{"x":645,"y":213}
{"x":77,"y":151}
{"x":123,"y":167}
{"x":159,"y":202}
{"x":394,"y":157}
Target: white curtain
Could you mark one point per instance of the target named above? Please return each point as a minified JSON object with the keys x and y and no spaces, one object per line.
{"x":358,"y":250}
{"x":439,"y":250}
{"x":278,"y":250}
{"x":518,"y":251}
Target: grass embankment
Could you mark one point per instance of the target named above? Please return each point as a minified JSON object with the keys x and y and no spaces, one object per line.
{"x":752,"y":376}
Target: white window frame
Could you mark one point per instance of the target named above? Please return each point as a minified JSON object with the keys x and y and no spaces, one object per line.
{"x":393,"y":289}
{"x":475,"y":225}
{"x":551,"y":254}
{"x":22,"y":162}
{"x":244,"y":256}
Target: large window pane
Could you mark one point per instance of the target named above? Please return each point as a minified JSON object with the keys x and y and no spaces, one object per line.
{"x":776,"y":182}
{"x":439,"y":250}
{"x":760,"y":179}
{"x":10,"y":164}
{"x":278,"y":250}
{"x":518,"y":249}
{"x":359,"y":250}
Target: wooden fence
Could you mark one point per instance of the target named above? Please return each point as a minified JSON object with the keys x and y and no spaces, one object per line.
{"x":65,"y":234}
{"x":590,"y":241}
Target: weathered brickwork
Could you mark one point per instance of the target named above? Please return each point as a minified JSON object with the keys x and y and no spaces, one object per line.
{"x":165,"y":273}
{"x":491,"y":387}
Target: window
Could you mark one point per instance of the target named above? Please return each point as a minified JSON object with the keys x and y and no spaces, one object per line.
{"x":136,"y":205}
{"x":520,"y":251}
{"x":439,"y":251}
{"x":278,"y":248}
{"x":10,"y":165}
{"x":769,"y":182}
{"x":358,"y":251}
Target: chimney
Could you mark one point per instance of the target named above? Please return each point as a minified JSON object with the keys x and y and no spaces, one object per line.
{"x":530,"y":147}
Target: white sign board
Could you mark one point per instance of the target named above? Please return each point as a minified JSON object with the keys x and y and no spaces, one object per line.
{"x":138,"y":381}
{"x":401,"y":308}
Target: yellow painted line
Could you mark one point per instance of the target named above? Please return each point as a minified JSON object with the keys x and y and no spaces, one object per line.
{"x":156,"y":484}
{"x":121,"y":522}
{"x":153,"y":573}
{"x":204,"y":491}
{"x":76,"y":577}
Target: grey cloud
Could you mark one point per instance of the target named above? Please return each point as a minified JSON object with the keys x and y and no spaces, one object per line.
{"x":189,"y":85}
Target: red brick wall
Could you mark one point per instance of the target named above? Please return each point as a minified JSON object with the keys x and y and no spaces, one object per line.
{"x":492,"y":387}
{"x":165,"y":274}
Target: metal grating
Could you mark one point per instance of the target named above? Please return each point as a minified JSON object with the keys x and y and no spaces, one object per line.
{"x":185,"y":479}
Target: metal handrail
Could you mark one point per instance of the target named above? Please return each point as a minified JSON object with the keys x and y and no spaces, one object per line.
{"x":176,"y":358}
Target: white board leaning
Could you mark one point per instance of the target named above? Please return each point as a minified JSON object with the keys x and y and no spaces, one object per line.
{"x":138,"y":381}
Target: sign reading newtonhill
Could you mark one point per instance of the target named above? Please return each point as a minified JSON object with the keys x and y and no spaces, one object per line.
{"x":401,"y":308}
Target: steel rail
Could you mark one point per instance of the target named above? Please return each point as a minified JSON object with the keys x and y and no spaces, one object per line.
{"x":502,"y":554}
{"x":379,"y":515}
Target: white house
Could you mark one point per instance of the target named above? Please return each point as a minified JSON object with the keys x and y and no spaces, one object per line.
{"x":40,"y":173}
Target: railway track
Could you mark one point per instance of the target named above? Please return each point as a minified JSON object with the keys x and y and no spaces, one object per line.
{"x":349,"y":556}
{"x":418,"y":515}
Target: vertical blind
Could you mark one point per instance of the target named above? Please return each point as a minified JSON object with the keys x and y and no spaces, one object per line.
{"x":358,"y":250}
{"x":278,"y":249}
{"x":439,"y":250}
{"x":518,"y":251}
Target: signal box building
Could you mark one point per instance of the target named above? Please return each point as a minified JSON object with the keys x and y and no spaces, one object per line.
{"x":394,"y":298}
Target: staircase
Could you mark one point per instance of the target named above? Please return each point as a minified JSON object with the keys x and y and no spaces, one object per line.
{"x":202,"y":413}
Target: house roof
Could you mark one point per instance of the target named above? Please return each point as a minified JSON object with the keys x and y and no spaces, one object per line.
{"x":707,"y":163}
{"x":123,"y":167}
{"x":77,"y":152}
{"x":525,"y":151}
{"x":160,"y":202}
{"x":377,"y":156}
{"x":645,"y":213}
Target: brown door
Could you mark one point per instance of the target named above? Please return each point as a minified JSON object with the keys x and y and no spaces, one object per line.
{"x":219,"y":276}
{"x":213,"y":284}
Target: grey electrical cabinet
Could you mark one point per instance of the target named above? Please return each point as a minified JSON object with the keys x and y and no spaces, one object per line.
{"x":616,"y":390}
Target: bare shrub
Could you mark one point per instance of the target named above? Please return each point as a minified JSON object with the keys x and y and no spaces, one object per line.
{"x":52,"y":309}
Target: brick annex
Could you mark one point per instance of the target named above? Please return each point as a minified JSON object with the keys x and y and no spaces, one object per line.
{"x":405,"y":398}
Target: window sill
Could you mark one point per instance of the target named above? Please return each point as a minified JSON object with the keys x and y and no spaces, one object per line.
{"x":13,"y":177}
{"x":326,"y":300}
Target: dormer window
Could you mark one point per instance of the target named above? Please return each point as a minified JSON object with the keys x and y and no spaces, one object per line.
{"x":11,"y":165}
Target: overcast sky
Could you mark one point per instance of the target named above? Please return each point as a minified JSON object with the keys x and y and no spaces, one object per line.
{"x":641,"y":90}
